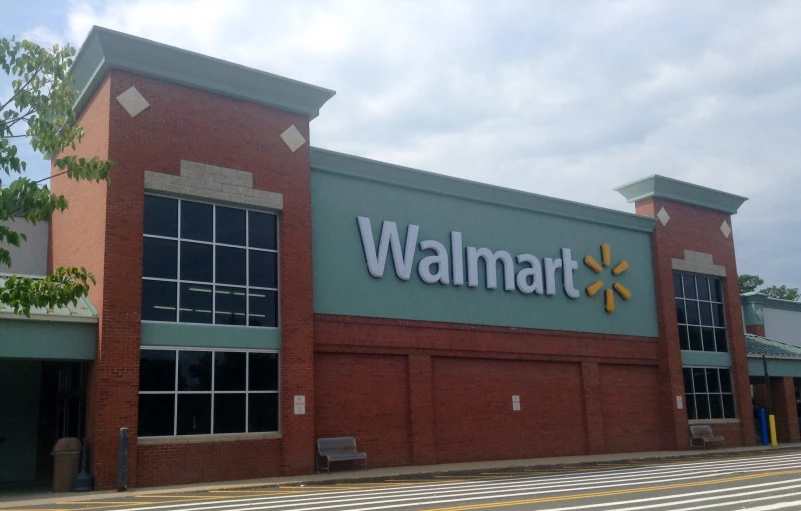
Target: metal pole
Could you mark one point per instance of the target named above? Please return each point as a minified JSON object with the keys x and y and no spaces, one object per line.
{"x":767,"y":384}
{"x":122,"y":461}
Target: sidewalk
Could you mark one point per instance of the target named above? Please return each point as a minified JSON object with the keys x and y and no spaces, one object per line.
{"x":43,"y":498}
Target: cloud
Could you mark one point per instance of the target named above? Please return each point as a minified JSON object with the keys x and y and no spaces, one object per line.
{"x":560,"y":98}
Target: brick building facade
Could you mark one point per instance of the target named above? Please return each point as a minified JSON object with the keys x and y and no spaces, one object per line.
{"x":402,"y":307}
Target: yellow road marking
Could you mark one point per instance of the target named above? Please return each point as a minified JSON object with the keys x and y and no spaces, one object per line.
{"x":178,"y":497}
{"x":614,"y":492}
{"x":106,"y":503}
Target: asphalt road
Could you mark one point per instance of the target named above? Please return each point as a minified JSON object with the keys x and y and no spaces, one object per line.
{"x":757,"y":482}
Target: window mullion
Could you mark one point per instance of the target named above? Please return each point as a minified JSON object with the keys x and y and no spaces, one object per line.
{"x":175,"y":407}
{"x":247,"y":392}
{"x":213,"y":371}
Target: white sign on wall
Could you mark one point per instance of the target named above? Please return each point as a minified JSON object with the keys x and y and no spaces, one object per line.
{"x":516,"y":403}
{"x":679,"y":403}
{"x":300,"y":405}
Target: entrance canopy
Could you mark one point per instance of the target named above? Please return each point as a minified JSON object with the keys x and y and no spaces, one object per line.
{"x":782,"y":359}
{"x":61,"y":333}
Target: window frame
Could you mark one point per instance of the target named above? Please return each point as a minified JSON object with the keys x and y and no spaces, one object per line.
{"x":214,"y":244}
{"x":697,"y":301}
{"x":247,"y":392}
{"x":720,"y":393}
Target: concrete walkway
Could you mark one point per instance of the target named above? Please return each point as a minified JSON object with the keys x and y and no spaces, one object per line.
{"x":35,"y":496}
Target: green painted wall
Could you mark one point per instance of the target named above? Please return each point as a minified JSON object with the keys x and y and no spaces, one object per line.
{"x":210,"y":336}
{"x":776,"y":367}
{"x":705,"y":359}
{"x":19,"y":416}
{"x":342,"y":284}
{"x":47,"y":340}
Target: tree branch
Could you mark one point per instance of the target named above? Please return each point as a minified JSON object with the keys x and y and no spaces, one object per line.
{"x":36,"y":72}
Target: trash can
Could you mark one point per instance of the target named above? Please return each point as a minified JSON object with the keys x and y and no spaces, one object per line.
{"x":66,"y":454}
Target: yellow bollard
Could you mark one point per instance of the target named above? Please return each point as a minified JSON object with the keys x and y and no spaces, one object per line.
{"x":772,"y":422}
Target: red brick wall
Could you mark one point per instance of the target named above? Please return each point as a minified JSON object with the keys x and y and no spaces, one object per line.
{"x":756,"y":330}
{"x":697,"y":229}
{"x":206,"y":462}
{"x":630,"y":398}
{"x":784,"y":408}
{"x":462,"y":379}
{"x":365,"y":396}
{"x":474,"y":416}
{"x":104,"y":232}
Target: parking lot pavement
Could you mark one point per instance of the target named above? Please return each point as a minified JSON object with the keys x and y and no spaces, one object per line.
{"x":759,"y":480}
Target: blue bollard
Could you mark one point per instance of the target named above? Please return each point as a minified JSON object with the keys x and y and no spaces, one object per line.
{"x":764,"y":420}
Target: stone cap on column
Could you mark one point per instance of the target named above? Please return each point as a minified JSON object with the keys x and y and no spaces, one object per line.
{"x":106,"y":49}
{"x":662,"y":187}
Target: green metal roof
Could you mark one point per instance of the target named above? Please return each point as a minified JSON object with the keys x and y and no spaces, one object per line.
{"x":81,"y":312}
{"x":756,"y":345}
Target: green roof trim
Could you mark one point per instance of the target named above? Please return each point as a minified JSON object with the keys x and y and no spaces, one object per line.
{"x":106,"y":49}
{"x":82,"y":312}
{"x":755,"y":302}
{"x":758,"y":346}
{"x":395,"y":175}
{"x":662,"y":187}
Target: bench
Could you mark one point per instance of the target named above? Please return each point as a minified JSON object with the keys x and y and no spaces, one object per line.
{"x":702,"y":435}
{"x":341,"y":448}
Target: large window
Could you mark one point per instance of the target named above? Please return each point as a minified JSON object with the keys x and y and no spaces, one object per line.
{"x":699,"y":310}
{"x":201,"y":392}
{"x":709,"y":393}
{"x":209,"y":264}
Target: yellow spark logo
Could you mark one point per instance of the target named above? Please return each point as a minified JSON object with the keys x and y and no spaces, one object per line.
{"x":606,"y":257}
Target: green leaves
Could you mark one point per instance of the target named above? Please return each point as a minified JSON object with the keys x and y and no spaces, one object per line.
{"x":65,"y":285}
{"x":39,"y":110}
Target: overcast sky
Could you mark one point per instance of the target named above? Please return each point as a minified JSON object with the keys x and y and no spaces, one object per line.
{"x":567,"y":99}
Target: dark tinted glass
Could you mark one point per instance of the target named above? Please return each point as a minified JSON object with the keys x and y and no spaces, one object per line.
{"x":691,"y":414}
{"x":263,"y":308}
{"x":263,"y":371}
{"x":702,"y":284}
{"x":681,"y":315}
{"x":725,"y":380}
{"x":230,"y":226}
{"x":689,"y":286}
{"x":684,"y":338}
{"x":231,"y":265}
{"x":688,"y":380}
{"x":717,"y":315}
{"x":720,"y":340}
{"x":159,"y":300}
{"x":677,"y":292}
{"x":197,"y":260}
{"x":696,"y":343}
{"x":156,"y":414}
{"x":230,"y":372}
{"x":691,"y":308}
{"x":728,"y":406}
{"x":194,"y":414}
{"x":715,"y":291}
{"x":160,"y":258}
{"x":196,"y":221}
{"x":195,"y":303}
{"x":262,"y":412}
{"x":262,"y":230}
{"x":229,"y":413}
{"x":715,"y":406}
{"x":699,"y":380}
{"x":712,"y":383}
{"x":230,"y":306}
{"x":263,"y":269}
{"x":161,"y":216}
{"x":702,"y":406}
{"x":194,"y":370}
{"x":708,"y":336}
{"x":706,"y":313}
{"x":156,"y":370}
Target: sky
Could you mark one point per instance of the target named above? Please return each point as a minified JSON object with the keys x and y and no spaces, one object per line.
{"x":566,"y":99}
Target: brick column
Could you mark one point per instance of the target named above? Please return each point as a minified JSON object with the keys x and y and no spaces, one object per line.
{"x":784,"y":408}
{"x":593,"y":416}
{"x":421,"y":410}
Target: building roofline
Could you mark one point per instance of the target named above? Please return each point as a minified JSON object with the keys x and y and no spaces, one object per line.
{"x":662,"y":187}
{"x":106,"y":49}
{"x":372,"y":170}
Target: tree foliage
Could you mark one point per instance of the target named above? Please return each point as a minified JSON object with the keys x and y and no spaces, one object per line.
{"x":750,"y":283}
{"x":40,"y":110}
